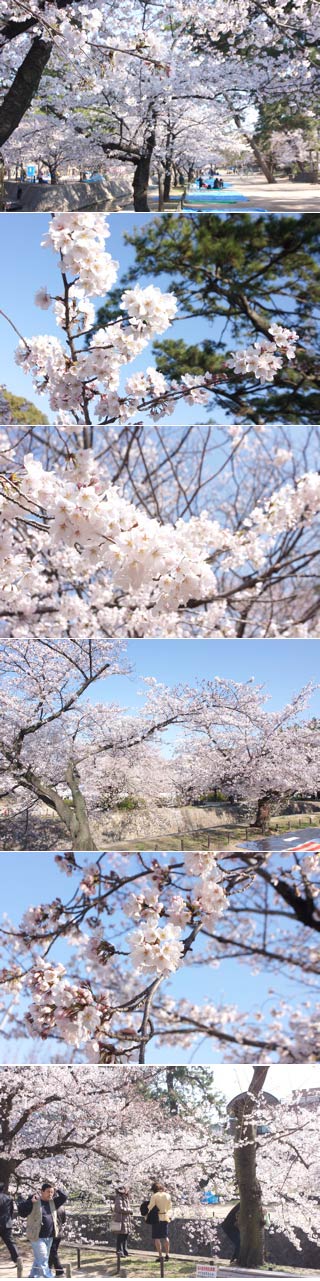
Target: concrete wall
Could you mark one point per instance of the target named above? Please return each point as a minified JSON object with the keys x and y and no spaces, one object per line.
{"x":95,"y":1227}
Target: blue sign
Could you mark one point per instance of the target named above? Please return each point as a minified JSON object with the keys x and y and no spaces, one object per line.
{"x":31,"y":169}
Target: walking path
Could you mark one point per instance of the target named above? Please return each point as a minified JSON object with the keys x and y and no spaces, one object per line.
{"x":150,"y":1269}
{"x":242,"y":192}
{"x":282,"y":196}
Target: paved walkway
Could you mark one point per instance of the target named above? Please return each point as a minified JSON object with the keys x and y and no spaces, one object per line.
{"x":279,"y":196}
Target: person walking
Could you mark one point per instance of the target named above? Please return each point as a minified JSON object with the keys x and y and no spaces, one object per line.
{"x":54,"y":1261}
{"x":231,"y":1228}
{"x":6,"y":1217}
{"x":42,"y":1224}
{"x":161,"y":1201}
{"x":122,"y":1219}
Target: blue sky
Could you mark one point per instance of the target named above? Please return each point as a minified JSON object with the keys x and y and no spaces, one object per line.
{"x":33,"y":877}
{"x":282,"y":666}
{"x":25,"y":266}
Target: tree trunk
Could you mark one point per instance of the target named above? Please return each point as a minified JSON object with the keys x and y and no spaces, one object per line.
{"x":141,"y":184}
{"x":160,"y":194}
{"x":167,"y":183}
{"x":2,"y":188}
{"x":262,"y":819}
{"x":172,"y":1098}
{"x":251,"y":1218}
{"x":74,"y":816}
{"x":142,"y":172}
{"x":262,"y":160}
{"x":80,"y":828}
{"x":251,"y":1210}
{"x":24,"y":86}
{"x":7,"y":1168}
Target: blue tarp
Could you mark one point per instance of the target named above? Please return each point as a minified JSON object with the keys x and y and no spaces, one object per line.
{"x":213,"y":195}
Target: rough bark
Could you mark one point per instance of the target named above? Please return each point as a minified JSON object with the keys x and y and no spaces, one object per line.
{"x":2,"y":187}
{"x":262,"y":819}
{"x":7,"y":1169}
{"x":160,"y":194}
{"x":24,"y":86}
{"x":263,"y":163}
{"x":141,"y":184}
{"x":172,"y":1098}
{"x":142,"y":175}
{"x":167,"y":183}
{"x":251,"y":1218}
{"x":74,"y":816}
{"x":81,"y":834}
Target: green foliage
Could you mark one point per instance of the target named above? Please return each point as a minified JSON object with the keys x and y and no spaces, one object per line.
{"x":185,"y":1091}
{"x":15,"y":409}
{"x":128,"y":804}
{"x":238,"y":273}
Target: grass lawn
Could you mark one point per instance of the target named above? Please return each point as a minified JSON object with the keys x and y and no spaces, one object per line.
{"x":102,"y":1263}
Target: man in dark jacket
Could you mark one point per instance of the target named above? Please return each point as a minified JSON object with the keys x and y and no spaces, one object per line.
{"x":41,"y":1213}
{"x":230,"y":1226}
{"x":54,"y":1261}
{"x":6,"y":1216}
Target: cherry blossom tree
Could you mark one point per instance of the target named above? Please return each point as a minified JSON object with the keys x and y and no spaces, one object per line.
{"x":138,"y":66}
{"x":30,"y":33}
{"x":267,"y":767}
{"x":53,"y":146}
{"x":58,"y":749}
{"x":169,"y":475}
{"x":133,"y":921}
{"x":92,"y":1128}
{"x":91,"y":559}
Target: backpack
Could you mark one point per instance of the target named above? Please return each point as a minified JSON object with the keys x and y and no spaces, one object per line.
{"x":152,"y":1216}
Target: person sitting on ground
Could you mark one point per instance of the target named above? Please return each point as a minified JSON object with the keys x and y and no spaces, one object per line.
{"x":160,"y":1200}
{"x":6,"y":1217}
{"x":42,"y":1224}
{"x":122,"y":1216}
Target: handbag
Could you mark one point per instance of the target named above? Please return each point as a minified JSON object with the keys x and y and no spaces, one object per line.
{"x":115,"y":1225}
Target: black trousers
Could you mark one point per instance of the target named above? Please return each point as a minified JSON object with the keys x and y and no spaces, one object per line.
{"x":5,"y":1236}
{"x":121,"y":1242}
{"x":54,"y":1261}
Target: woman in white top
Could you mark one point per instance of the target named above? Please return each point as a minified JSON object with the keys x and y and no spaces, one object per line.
{"x":161,"y":1201}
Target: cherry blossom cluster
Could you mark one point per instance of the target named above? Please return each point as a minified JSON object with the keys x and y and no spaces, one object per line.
{"x":132,"y":921}
{"x":77,"y":378}
{"x":77,"y":1011}
{"x":90,"y":533}
{"x":264,"y":359}
{"x":82,"y":1118}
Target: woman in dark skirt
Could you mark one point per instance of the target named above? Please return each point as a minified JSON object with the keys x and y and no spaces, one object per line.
{"x":161,"y":1202}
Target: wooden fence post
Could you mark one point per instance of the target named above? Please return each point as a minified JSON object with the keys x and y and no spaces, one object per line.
{"x":78,"y":1258}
